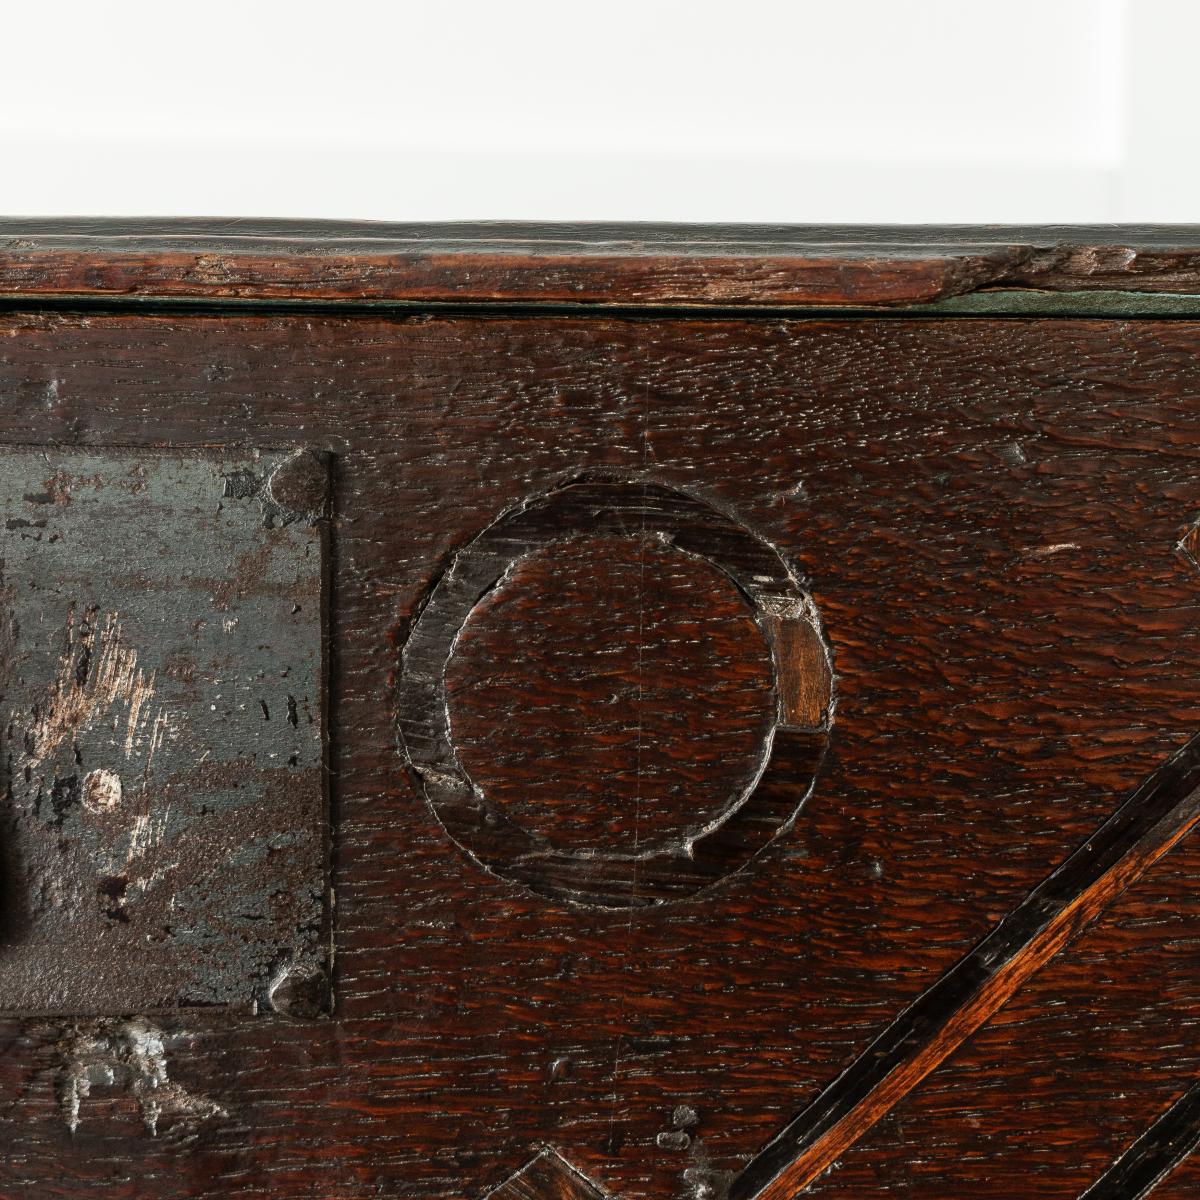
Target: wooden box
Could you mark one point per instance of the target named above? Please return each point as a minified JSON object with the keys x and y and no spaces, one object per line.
{"x":552,"y":712}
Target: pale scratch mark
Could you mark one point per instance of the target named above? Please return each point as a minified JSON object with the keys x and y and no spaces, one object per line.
{"x":157,"y":876}
{"x":1055,"y":548}
{"x":97,"y":674}
{"x":140,"y":836}
{"x":149,"y":827}
{"x":99,"y":685}
{"x":158,"y":732}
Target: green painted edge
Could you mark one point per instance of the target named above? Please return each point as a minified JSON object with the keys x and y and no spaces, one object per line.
{"x":1018,"y":302}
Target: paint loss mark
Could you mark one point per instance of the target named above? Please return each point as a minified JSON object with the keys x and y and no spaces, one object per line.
{"x":297,"y":489}
{"x":1052,"y":549}
{"x":71,"y":821}
{"x":102,"y":790}
{"x":129,"y":1057}
{"x":98,"y":684}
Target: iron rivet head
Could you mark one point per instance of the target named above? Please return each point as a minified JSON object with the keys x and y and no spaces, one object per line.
{"x":301,"y":993}
{"x":300,"y":485}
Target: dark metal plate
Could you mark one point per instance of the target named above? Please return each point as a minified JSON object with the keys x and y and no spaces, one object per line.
{"x":162,"y":815}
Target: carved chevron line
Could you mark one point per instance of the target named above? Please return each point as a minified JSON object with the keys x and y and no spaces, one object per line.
{"x":1154,"y":818}
{"x":1154,"y":1155}
{"x":547,"y":1177}
{"x":1162,"y":811}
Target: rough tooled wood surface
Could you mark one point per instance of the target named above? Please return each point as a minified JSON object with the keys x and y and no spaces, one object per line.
{"x":984,"y":515}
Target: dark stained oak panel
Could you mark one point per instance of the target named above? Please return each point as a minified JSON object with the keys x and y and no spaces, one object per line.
{"x":615,"y":692}
{"x":1161,"y":812}
{"x":650,"y":867}
{"x":1067,"y":1076}
{"x":985,"y":514}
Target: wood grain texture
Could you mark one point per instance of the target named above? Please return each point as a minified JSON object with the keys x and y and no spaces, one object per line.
{"x":588,"y":263}
{"x":1167,"y":1143}
{"x":1160,"y":814}
{"x":986,"y":514}
{"x":777,"y":765}
{"x":581,"y":693}
{"x":547,"y":1177}
{"x":1070,"y":1075}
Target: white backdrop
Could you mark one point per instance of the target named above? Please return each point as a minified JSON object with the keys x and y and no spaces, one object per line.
{"x":844,"y":110}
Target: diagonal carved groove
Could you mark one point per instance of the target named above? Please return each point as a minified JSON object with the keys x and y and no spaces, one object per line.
{"x":1154,"y":1155}
{"x":1155,"y":817}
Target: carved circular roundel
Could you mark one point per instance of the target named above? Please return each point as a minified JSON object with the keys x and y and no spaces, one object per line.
{"x":783,"y":765}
